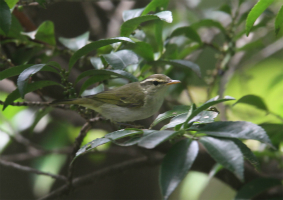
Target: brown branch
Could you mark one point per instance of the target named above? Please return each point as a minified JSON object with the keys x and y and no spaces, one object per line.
{"x":31,"y":170}
{"x":112,"y":170}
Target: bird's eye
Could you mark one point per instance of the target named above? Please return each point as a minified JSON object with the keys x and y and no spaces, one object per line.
{"x":155,"y":83}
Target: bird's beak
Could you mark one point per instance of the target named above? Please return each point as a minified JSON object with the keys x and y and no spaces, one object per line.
{"x":173,"y":82}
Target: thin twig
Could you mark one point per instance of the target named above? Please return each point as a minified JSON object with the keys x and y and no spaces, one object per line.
{"x":112,"y":170}
{"x":33,"y":103}
{"x":31,"y":170}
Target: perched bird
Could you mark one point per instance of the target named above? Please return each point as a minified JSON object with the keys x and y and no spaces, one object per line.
{"x":131,"y":102}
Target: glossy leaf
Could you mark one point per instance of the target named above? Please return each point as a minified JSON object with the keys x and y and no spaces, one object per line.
{"x":184,"y":64}
{"x":152,"y":140}
{"x":91,"y":145}
{"x":123,"y":133}
{"x":256,"y":11}
{"x":116,"y":73}
{"x":177,"y":110}
{"x":254,"y":101}
{"x":129,"y":14}
{"x":95,"y":45}
{"x":75,"y":43}
{"x":22,"y":80}
{"x":279,"y":21}
{"x":92,"y":80}
{"x":226,"y":153}
{"x":30,"y":88}
{"x":176,"y":165}
{"x":256,"y":186}
{"x":13,"y":71}
{"x":93,"y":91}
{"x":129,"y":26}
{"x":247,"y":153}
{"x":45,"y":33}
{"x":5,"y":17}
{"x":188,"y":31}
{"x":155,"y":5}
{"x":202,"y":117}
{"x":121,"y":59}
{"x":209,"y":23}
{"x":240,"y":129}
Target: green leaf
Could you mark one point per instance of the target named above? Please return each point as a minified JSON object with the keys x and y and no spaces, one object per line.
{"x":92,"y":80}
{"x":247,"y":153}
{"x":13,"y":71}
{"x":91,"y":145}
{"x":123,"y":133}
{"x":183,"y":64}
{"x":75,"y":43}
{"x":279,"y":21}
{"x":256,"y":186}
{"x":254,"y":101}
{"x":116,"y":73}
{"x":258,"y":44}
{"x":5,"y":17}
{"x":23,"y":77}
{"x":256,"y":11}
{"x":177,"y":110}
{"x":15,"y":30}
{"x":152,"y":140}
{"x":226,"y":153}
{"x":176,"y":165}
{"x":158,"y":36}
{"x":188,"y":31}
{"x":129,"y":26}
{"x":274,"y":131}
{"x":95,"y":45}
{"x":11,"y":3}
{"x":241,"y":129}
{"x":129,"y":14}
{"x":40,"y":113}
{"x":143,"y":49}
{"x":155,"y":5}
{"x":45,"y":33}
{"x":30,"y":88}
{"x":202,"y":117}
{"x":121,"y":59}
{"x":209,"y":23}
{"x":226,"y":8}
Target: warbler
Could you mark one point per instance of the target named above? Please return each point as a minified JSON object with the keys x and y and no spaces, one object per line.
{"x":130,"y":102}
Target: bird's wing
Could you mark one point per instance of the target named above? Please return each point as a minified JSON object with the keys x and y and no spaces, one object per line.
{"x":122,"y":96}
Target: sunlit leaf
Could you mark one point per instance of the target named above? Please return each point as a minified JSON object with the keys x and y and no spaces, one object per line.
{"x":154,"y":5}
{"x":254,"y":101}
{"x":256,"y":11}
{"x":95,"y":45}
{"x":130,"y":25}
{"x":152,"y":140}
{"x":240,"y":129}
{"x":75,"y":43}
{"x":279,"y":21}
{"x":5,"y":17}
{"x":121,"y":59}
{"x":256,"y":186}
{"x":225,"y":152}
{"x":176,"y":165}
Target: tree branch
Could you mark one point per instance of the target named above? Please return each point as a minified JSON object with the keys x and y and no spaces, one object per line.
{"x":31,"y":170}
{"x":115,"y":169}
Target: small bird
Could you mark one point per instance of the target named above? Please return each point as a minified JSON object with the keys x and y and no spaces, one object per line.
{"x":130,"y":102}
